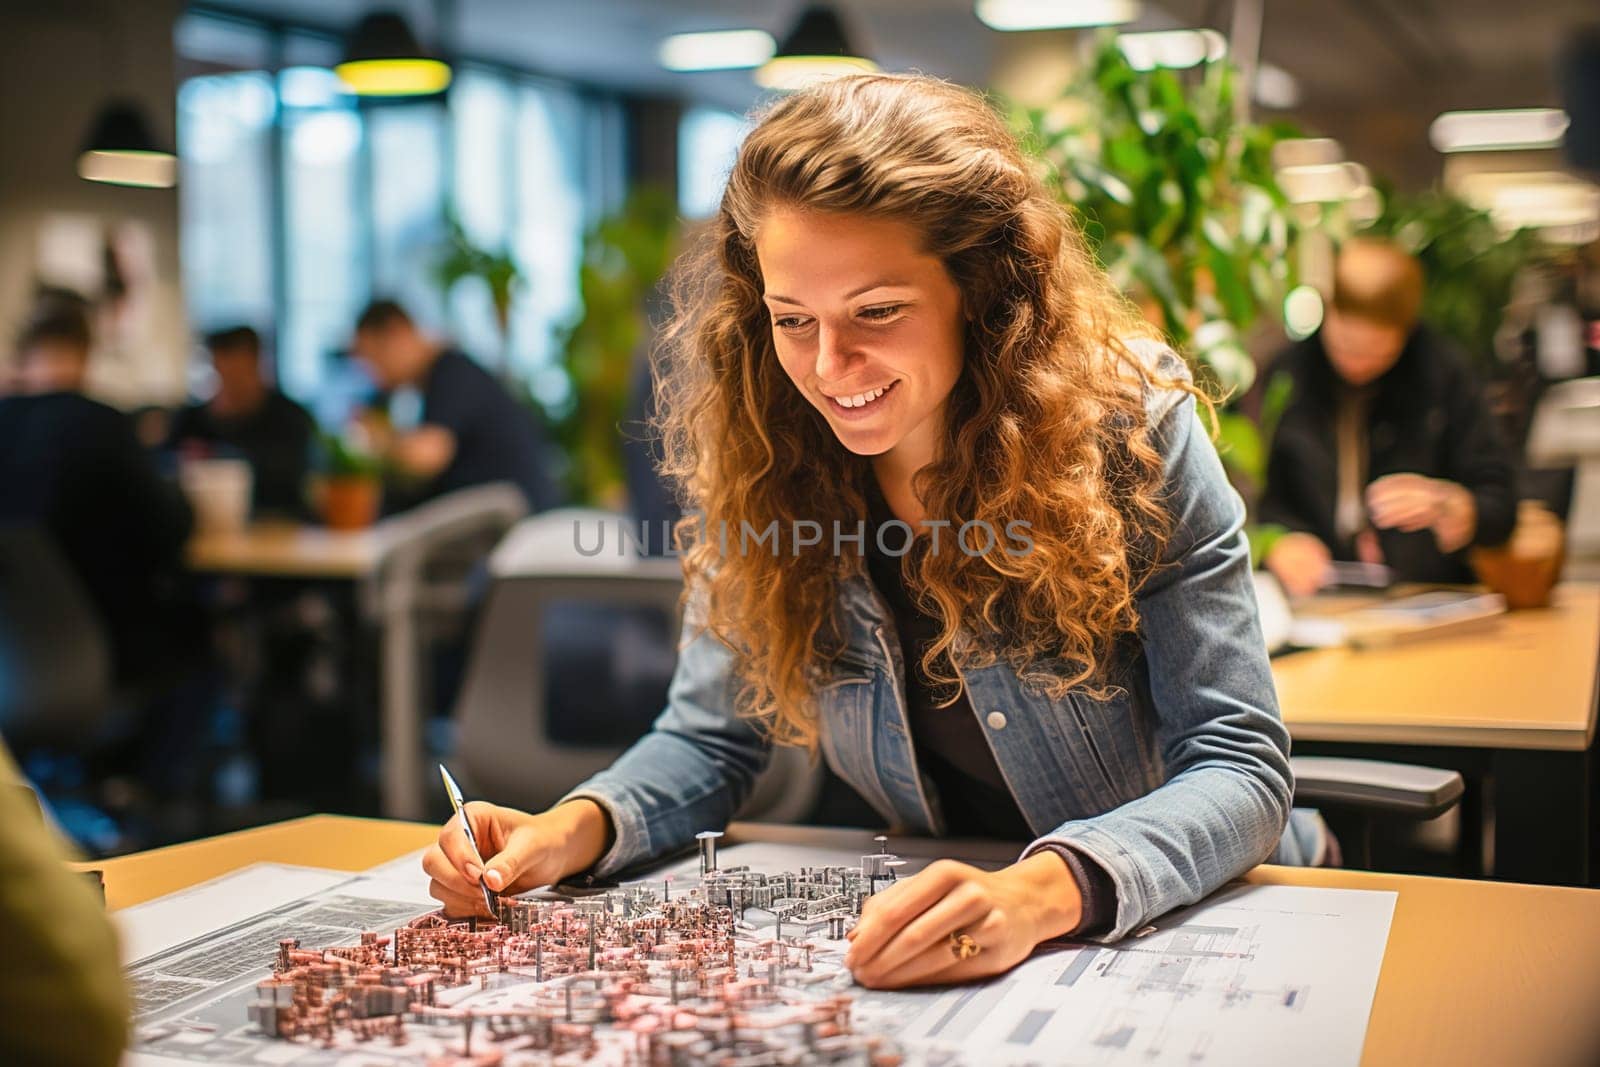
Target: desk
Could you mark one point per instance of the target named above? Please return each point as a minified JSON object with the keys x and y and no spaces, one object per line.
{"x":285,"y":550}
{"x":409,"y":566}
{"x":1475,"y":972}
{"x":1514,"y":700}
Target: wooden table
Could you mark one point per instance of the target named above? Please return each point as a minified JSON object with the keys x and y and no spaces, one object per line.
{"x":1475,"y":973}
{"x":284,"y":550}
{"x":1513,"y":699}
{"x":395,"y":556}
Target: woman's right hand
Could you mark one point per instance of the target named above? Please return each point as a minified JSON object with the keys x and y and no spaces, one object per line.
{"x":520,"y":851}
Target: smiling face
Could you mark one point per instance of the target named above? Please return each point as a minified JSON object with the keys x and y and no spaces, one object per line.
{"x":866,"y":324}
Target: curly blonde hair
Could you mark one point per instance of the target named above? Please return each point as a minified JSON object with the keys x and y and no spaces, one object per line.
{"x":1046,"y":422}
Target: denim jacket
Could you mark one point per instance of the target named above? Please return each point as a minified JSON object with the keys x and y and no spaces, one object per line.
{"x":1176,"y":785}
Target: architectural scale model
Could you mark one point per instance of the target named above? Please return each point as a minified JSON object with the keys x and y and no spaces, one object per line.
{"x":739,"y":968}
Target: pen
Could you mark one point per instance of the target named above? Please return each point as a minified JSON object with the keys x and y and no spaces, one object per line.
{"x":454,"y":792}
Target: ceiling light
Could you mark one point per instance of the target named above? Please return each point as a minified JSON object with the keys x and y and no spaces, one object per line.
{"x":121,"y":150}
{"x":720,"y":50}
{"x":382,"y":58}
{"x":1557,"y":204}
{"x":1364,"y":206}
{"x":1302,"y":312}
{"x":1482,"y":131}
{"x":1276,"y":88}
{"x":1323,"y":183}
{"x":1054,"y":14}
{"x":816,"y":49}
{"x":1306,"y":152}
{"x":1173,"y":49}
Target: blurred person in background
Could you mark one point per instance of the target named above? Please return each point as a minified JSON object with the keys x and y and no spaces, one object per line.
{"x":73,"y":468}
{"x":1386,"y":452}
{"x":251,"y":418}
{"x":472,"y":431}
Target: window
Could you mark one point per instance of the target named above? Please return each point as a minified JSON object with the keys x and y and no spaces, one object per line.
{"x":225,"y":213}
{"x":708,"y":142}
{"x":407,"y":197}
{"x":324,"y":271}
{"x":483,"y":109}
{"x":298,"y":205}
{"x":550,"y":218}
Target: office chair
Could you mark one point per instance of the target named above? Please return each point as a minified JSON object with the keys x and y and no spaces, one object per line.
{"x":55,"y":655}
{"x":1366,"y":789}
{"x":1373,"y":789}
{"x":423,"y":583}
{"x":504,"y":744}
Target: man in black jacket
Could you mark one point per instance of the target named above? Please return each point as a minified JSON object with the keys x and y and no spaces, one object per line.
{"x":1386,"y":452}
{"x":72,"y":467}
{"x":472,"y":432}
{"x":248,"y":416}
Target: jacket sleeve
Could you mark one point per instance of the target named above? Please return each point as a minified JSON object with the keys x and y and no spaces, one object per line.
{"x":1279,"y":502}
{"x":1479,"y":460}
{"x":694,"y":768}
{"x":155,"y":515}
{"x":1226,"y":800}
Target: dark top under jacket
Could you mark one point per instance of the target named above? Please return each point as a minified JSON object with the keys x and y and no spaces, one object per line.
{"x":1426,"y":415}
{"x":73,"y":467}
{"x":275,"y":439}
{"x":497,"y":439}
{"x":950,"y":744}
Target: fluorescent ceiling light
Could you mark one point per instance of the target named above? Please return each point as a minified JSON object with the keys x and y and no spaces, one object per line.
{"x":149,"y":170}
{"x":797,"y":72}
{"x":1055,"y":14}
{"x":1173,"y":49}
{"x":1324,"y":183}
{"x":382,"y":58}
{"x":1276,"y":88}
{"x":1548,"y":201}
{"x":121,"y":149}
{"x":1306,"y":152}
{"x":395,"y":77}
{"x":1480,"y":131}
{"x":718,"y":50}
{"x":816,"y":49}
{"x":1364,"y":206}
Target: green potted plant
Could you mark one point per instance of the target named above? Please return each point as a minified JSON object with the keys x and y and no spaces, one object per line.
{"x":496,"y":269}
{"x":349,"y":486}
{"x":1179,"y":201}
{"x":625,"y":256}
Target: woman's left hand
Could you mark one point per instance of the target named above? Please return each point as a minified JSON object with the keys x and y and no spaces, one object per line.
{"x":904,"y":935}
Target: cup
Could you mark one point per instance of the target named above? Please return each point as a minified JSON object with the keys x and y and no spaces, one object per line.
{"x":1525,"y":569}
{"x":218,"y":491}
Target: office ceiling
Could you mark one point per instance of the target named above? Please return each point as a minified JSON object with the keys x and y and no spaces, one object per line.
{"x":1373,"y":73}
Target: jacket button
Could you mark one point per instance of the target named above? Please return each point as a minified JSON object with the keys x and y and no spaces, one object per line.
{"x":997,"y":720}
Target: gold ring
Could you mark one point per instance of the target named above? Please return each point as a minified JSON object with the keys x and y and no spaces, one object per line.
{"x":963,"y":947}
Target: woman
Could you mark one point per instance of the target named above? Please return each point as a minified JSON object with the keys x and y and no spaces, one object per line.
{"x":893,"y":329}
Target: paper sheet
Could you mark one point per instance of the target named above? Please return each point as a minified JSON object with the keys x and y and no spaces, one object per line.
{"x":1255,"y":974}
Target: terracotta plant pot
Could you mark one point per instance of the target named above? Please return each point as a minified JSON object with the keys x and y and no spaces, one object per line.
{"x":350,"y":503}
{"x":1525,"y":569}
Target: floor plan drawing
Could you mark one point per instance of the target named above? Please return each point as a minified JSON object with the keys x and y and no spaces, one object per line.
{"x":692,"y":966}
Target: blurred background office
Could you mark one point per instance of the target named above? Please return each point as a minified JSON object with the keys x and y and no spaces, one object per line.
{"x":329,"y":320}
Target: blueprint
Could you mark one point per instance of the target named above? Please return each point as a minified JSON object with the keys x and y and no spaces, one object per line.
{"x":1254,"y":974}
